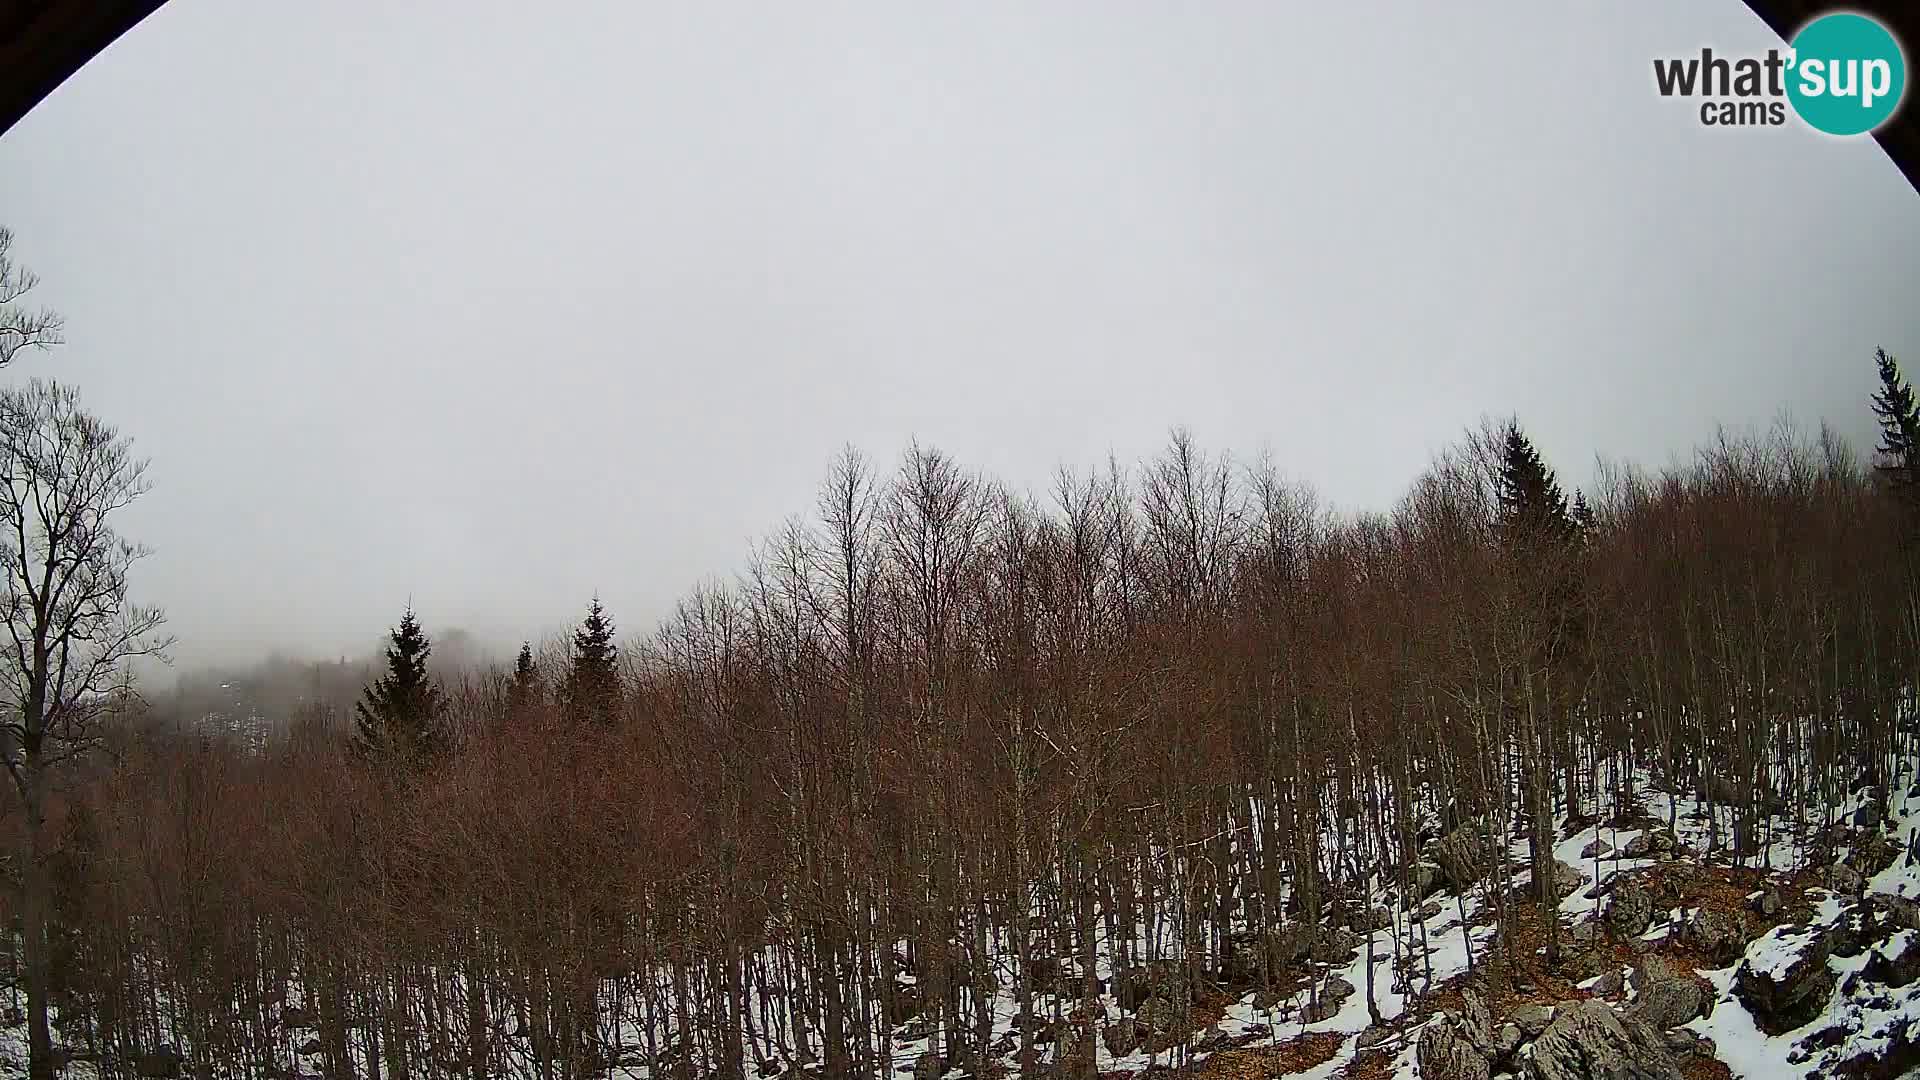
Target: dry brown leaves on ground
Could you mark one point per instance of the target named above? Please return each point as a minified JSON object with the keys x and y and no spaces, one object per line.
{"x":1706,"y":1069}
{"x":1726,"y":889}
{"x":1369,"y":1065}
{"x":1293,"y":1056}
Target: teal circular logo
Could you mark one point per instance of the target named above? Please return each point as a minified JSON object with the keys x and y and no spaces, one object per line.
{"x":1847,"y":74}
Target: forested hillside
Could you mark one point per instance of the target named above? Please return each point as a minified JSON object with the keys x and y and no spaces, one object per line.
{"x":1162,"y":764}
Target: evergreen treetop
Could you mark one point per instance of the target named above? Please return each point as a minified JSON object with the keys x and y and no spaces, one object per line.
{"x":1543,"y":536}
{"x":399,"y":714}
{"x":1894,"y":404}
{"x":1533,"y":510}
{"x":1581,"y":515}
{"x":525,"y":691}
{"x":592,"y":689}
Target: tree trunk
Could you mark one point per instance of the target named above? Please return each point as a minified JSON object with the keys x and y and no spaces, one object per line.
{"x":35,"y":898}
{"x":476,"y":1017}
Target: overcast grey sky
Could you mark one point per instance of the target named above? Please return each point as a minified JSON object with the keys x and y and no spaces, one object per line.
{"x":493,"y":305}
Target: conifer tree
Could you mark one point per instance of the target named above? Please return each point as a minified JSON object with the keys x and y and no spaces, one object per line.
{"x":1899,"y":427}
{"x":592,"y":689}
{"x":1533,"y":510}
{"x":1540,"y":535}
{"x":525,"y":691}
{"x":1582,"y":516}
{"x":398,"y":717}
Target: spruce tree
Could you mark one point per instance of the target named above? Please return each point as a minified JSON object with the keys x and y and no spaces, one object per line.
{"x":1899,"y":427}
{"x":1540,"y":534}
{"x":1582,"y":517}
{"x":591,"y":693}
{"x":398,"y":717}
{"x":1534,"y":517}
{"x":525,"y":691}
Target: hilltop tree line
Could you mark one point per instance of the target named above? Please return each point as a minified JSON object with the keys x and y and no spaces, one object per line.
{"x":945,"y":740}
{"x":404,"y":718}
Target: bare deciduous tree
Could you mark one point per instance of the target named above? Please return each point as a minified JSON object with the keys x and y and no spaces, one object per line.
{"x":72,"y":629}
{"x":21,"y":327}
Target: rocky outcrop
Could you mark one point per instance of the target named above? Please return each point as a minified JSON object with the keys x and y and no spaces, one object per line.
{"x":1373,"y":1036}
{"x":1896,"y":962}
{"x":1629,"y":908}
{"x":1652,"y":969}
{"x":1531,"y":1019}
{"x":1327,"y":1002}
{"x":1447,"y":1051}
{"x":1787,"y":983}
{"x":1843,"y":879}
{"x":1867,"y":923}
{"x":1566,"y":880}
{"x":1335,"y":945}
{"x":1371,"y":918}
{"x":1687,"y":1045}
{"x":1720,"y":935}
{"x":1608,"y":984}
{"x":1459,"y":1044}
{"x":1589,"y":1041}
{"x":1423,"y":880}
{"x":1668,"y":997}
{"x":1657,"y":841}
{"x":1873,"y":853}
{"x":1286,"y":947}
{"x":1462,"y":856}
{"x":1904,"y":913}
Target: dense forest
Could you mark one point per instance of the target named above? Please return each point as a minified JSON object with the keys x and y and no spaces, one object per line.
{"x":945,"y":747}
